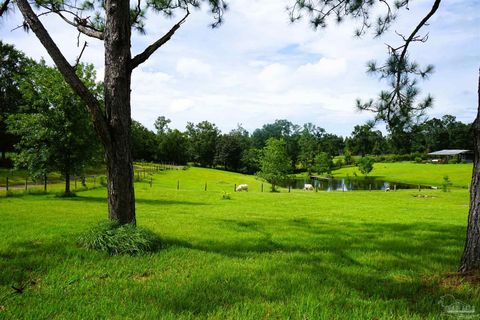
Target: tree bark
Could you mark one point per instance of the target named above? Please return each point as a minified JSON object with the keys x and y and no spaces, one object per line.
{"x":471,"y":254}
{"x":121,"y":197}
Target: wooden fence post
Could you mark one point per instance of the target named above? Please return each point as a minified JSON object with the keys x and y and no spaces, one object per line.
{"x":235,"y":187}
{"x":178,"y":184}
{"x":150,"y":182}
{"x":45,"y":183}
{"x":26,"y":184}
{"x":205,"y":186}
{"x":7,"y":185}
{"x":262,"y":187}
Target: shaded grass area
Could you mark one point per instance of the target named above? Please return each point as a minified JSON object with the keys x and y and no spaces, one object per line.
{"x":299,"y":255}
{"x":416,"y":173}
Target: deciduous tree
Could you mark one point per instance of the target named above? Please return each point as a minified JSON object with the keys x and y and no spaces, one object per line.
{"x":275,"y":165}
{"x":59,"y":136}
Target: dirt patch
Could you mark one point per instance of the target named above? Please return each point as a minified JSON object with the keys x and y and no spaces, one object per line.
{"x":144,"y":276}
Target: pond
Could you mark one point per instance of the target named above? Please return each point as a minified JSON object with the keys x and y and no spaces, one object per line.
{"x":349,"y":184}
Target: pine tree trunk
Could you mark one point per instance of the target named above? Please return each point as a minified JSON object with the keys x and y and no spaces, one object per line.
{"x":471,"y":254}
{"x":121,"y":198}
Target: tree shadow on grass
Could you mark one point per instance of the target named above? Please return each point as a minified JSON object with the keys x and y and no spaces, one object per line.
{"x":153,"y":202}
{"x":24,"y":261}
{"x":384,"y":262}
{"x":263,"y":265}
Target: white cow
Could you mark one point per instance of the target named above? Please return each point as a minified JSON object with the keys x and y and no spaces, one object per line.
{"x":242,"y":187}
{"x":307,"y":187}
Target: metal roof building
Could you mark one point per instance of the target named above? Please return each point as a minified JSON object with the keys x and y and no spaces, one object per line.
{"x":460,"y":155}
{"x":448,"y":152}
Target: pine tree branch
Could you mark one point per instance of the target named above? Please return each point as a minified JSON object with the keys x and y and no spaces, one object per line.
{"x":68,"y":72}
{"x":82,"y":26}
{"x":142,"y":57}
{"x":413,"y":36}
{"x":78,"y":22}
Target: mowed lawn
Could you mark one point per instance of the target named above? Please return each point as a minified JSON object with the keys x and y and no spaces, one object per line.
{"x":460,"y":175}
{"x":299,"y":255}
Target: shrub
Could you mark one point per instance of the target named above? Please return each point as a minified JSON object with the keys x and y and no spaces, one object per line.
{"x":226,"y":196}
{"x":339,"y":163}
{"x":418,"y":160}
{"x":114,"y":238}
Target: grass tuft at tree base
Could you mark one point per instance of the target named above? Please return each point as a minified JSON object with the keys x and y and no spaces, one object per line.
{"x":116,"y":239}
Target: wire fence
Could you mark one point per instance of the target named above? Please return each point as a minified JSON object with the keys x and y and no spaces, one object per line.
{"x":14,"y":184}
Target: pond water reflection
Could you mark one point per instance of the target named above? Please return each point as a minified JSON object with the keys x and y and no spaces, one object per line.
{"x":349,"y":184}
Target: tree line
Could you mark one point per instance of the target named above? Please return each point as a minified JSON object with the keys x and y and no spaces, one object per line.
{"x":238,"y":150}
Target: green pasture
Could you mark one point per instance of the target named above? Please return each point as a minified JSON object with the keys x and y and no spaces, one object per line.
{"x":298,"y":255}
{"x":416,"y":173}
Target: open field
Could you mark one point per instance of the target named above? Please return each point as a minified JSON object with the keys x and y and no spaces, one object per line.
{"x":299,"y":255}
{"x":407,"y":172}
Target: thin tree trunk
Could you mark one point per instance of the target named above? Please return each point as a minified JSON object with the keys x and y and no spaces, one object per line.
{"x":471,"y":254}
{"x":67,"y":182}
{"x":121,"y":197}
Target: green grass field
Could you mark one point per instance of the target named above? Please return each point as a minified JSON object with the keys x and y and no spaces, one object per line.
{"x":299,"y":255}
{"x":428,"y":174}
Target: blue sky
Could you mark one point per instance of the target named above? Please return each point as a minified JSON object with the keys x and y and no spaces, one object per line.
{"x":257,"y":67}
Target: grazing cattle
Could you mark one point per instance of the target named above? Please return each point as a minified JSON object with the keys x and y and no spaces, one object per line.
{"x":242,"y":187}
{"x":387,"y":189}
{"x":307,"y":187}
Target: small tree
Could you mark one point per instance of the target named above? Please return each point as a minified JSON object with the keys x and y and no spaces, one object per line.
{"x":446,"y":184}
{"x":323,"y":163}
{"x":365,"y":165}
{"x":275,"y":165}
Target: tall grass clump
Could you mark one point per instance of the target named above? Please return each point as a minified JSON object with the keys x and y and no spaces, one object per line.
{"x":115,"y":239}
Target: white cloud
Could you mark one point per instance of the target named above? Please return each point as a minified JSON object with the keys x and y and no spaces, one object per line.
{"x":181,"y":105}
{"x":323,"y":68}
{"x":193,"y":67}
